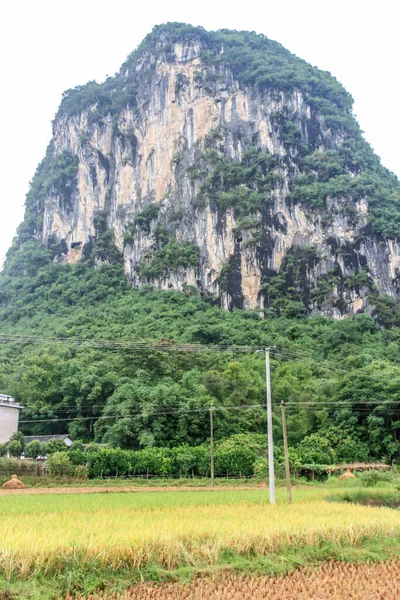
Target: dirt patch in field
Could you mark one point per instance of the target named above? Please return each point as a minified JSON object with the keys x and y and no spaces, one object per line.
{"x":125,"y":489}
{"x":332,"y":581}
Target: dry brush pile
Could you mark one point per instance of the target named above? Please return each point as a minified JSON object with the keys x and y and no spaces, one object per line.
{"x":332,"y":581}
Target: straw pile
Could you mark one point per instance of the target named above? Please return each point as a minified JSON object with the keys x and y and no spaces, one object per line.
{"x":13,"y":484}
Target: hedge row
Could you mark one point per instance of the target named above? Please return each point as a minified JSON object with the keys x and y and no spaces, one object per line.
{"x":182,"y":461}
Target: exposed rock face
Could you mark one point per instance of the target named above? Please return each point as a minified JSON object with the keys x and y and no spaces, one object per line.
{"x":156,"y":171}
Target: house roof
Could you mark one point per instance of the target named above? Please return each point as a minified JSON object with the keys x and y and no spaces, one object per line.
{"x":6,"y":400}
{"x":46,"y":438}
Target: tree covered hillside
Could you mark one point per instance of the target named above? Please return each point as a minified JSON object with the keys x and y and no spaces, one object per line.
{"x":339,"y":378}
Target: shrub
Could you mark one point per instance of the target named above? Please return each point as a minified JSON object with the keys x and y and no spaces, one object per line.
{"x":261,"y":468}
{"x":375,"y":477}
{"x":14,"y":448}
{"x":34,"y":449}
{"x":147,"y":215}
{"x":77,"y":445}
{"x":81,"y":472}
{"x":316,"y":449}
{"x":173,"y":256}
{"x":59,"y":464}
{"x":19,"y":437}
{"x":234,"y":460}
{"x":54,"y":446}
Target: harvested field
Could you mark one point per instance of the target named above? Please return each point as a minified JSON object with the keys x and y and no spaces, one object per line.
{"x":333,"y":581}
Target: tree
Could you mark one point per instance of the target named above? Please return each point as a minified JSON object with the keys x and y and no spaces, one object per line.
{"x":14,"y":448}
{"x":59,"y":464}
{"x":316,"y":449}
{"x":53,"y":446}
{"x":34,"y":449}
{"x":18,"y":437}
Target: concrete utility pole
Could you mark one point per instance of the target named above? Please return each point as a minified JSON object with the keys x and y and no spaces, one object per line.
{"x":285,"y":445}
{"x":212,"y":444}
{"x":271,"y":468}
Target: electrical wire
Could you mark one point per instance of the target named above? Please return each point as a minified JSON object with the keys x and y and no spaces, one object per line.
{"x":309,"y":363}
{"x":343,"y":403}
{"x":360,"y":407}
{"x":306,"y":359}
{"x":145,"y":415}
{"x":126,"y":345}
{"x":161,"y":346}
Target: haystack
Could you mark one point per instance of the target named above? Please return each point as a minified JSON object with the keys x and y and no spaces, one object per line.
{"x":13,"y":484}
{"x":347,"y":475}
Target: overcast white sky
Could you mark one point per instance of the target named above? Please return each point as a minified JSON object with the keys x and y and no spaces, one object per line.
{"x":47,"y":46}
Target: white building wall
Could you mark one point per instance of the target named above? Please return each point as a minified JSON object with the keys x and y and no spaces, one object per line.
{"x":9,"y":415}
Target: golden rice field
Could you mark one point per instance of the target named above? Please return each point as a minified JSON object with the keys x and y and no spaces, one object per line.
{"x":171,"y":530}
{"x":333,"y":581}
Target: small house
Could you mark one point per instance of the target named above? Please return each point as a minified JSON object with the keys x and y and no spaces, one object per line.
{"x":9,"y":417}
{"x":43,"y":439}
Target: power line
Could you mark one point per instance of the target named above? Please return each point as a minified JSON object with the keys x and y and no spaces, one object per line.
{"x":305,"y":359}
{"x":296,"y":352}
{"x":126,"y":345}
{"x":323,"y":404}
{"x":161,"y":346}
{"x":145,"y":415}
{"x":360,"y":407}
{"x":154,"y":345}
{"x":343,"y":403}
{"x":309,"y":363}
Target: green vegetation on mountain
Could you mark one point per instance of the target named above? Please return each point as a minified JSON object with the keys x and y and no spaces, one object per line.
{"x":56,"y":174}
{"x":254,"y":60}
{"x":350,"y":172}
{"x":172,"y":256}
{"x":242,"y":185}
{"x":146,"y":216}
{"x":348,"y":363}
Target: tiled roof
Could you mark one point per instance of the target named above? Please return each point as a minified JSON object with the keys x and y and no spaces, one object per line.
{"x":46,"y":438}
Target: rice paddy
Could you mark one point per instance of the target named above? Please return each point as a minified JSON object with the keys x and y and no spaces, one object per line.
{"x":47,"y":536}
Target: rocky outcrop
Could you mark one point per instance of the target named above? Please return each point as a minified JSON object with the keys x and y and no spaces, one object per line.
{"x":196,"y":178}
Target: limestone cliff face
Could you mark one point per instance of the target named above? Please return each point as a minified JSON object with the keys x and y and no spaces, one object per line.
{"x":158,"y":170}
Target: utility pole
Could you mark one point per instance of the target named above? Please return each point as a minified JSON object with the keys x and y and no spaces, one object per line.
{"x":285,"y":445}
{"x":271,"y":469}
{"x":212,"y":444}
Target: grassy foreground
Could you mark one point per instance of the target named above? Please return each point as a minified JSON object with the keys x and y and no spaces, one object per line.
{"x":76,"y":544}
